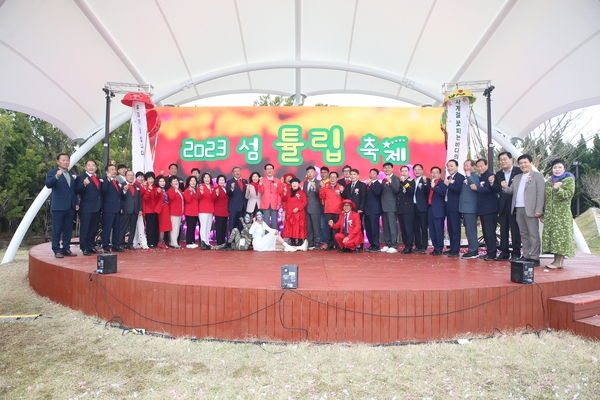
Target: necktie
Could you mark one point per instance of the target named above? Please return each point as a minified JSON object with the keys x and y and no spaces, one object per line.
{"x":67,"y":176}
{"x":347,"y":181}
{"x":416,"y":187}
{"x":433,"y":183}
{"x":352,"y":187}
{"x":96,"y":181}
{"x":241,"y":184}
{"x":346,"y":225}
{"x":446,"y":197}
{"x":115,"y":184}
{"x":132,"y":190}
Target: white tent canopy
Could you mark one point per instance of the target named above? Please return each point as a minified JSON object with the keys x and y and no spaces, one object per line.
{"x":56,"y":56}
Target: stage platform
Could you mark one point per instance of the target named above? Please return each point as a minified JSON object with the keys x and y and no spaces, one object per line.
{"x":341,"y":297}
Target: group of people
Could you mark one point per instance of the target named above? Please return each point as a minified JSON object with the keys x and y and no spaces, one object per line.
{"x":322,"y":211}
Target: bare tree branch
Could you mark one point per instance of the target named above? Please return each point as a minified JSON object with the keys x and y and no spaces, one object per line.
{"x":590,"y":186}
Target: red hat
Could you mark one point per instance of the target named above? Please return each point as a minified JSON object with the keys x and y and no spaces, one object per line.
{"x":347,"y":201}
{"x":288,"y":174}
{"x":137,"y":96}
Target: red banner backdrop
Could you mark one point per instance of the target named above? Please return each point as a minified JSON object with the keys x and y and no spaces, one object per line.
{"x":215,"y":139}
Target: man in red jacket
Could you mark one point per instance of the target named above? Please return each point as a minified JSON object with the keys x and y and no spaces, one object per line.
{"x":331,"y":195}
{"x":350,"y":234}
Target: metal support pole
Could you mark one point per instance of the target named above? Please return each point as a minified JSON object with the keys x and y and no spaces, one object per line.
{"x":577,"y":163}
{"x":109,"y":95}
{"x":490,"y":152}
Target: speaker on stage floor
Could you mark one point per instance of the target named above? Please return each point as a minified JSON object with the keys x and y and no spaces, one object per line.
{"x":289,"y":277}
{"x":106,"y":264}
{"x":521,"y":271}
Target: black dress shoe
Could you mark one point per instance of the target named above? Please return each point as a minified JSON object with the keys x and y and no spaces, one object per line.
{"x":488,"y":257}
{"x":344,"y":250}
{"x":503,"y":256}
{"x":118,"y":250}
{"x":421,"y":251}
{"x":407,"y":251}
{"x":453,"y":254}
{"x":59,"y":255}
{"x":69,"y":253}
{"x":436,"y":253}
{"x":536,"y":263}
{"x":87,"y":253}
{"x":374,"y":249}
{"x":446,"y":252}
{"x":94,"y":251}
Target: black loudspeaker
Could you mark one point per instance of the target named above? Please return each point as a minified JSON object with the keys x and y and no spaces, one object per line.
{"x":289,"y":277}
{"x":521,"y":271}
{"x":106,"y":264}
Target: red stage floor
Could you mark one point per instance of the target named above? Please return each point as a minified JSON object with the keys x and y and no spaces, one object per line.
{"x":367,"y":297}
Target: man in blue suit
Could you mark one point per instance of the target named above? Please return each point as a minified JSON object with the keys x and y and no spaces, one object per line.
{"x":111,"y":210}
{"x":468,"y":208}
{"x":236,"y":190}
{"x":437,"y":211}
{"x":373,"y":210}
{"x":421,"y":206}
{"x":63,"y":205}
{"x":454,"y":183}
{"x":87,"y":186}
{"x":487,"y":207}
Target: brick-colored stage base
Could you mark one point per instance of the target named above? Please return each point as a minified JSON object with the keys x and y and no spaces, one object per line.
{"x":371,"y":298}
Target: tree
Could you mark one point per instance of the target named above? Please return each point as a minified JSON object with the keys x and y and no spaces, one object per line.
{"x":590,"y":186}
{"x":545,"y":143}
{"x":266,"y":100}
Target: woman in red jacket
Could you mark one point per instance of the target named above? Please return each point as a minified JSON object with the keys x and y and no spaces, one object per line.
{"x":295,"y":202}
{"x":176,"y":205}
{"x":163,"y":211}
{"x":206,"y":209}
{"x":190,"y":210}
{"x":149,"y":201}
{"x":221,"y":213}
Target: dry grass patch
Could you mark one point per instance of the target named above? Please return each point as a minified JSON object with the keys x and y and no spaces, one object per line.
{"x":65,"y":354}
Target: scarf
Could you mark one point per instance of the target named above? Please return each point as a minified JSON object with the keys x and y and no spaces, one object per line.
{"x":256,"y":185}
{"x":562,"y":176}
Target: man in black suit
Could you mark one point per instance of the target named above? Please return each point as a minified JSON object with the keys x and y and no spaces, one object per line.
{"x":313,"y":208}
{"x":111,"y":210}
{"x":454,"y":184}
{"x":63,"y":205}
{"x":487,"y":207}
{"x":373,"y":210}
{"x":405,"y":209}
{"x":508,"y":220}
{"x":420,"y":201}
{"x":356,"y":191}
{"x":88,"y":187}
{"x":236,"y":190}
{"x":131,"y":207}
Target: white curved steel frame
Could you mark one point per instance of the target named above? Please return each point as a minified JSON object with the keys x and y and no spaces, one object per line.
{"x":97,"y":134}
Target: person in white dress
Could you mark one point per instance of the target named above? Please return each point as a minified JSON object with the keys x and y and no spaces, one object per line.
{"x":265,"y":238}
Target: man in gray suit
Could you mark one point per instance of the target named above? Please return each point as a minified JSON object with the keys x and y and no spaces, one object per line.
{"x":313,"y":208}
{"x":391,"y":187}
{"x":467,"y":206}
{"x":528,"y":203}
